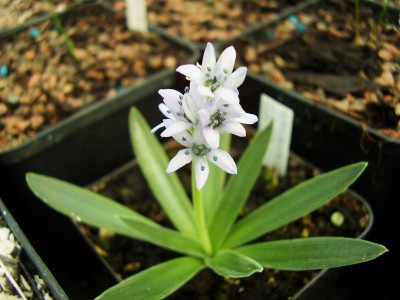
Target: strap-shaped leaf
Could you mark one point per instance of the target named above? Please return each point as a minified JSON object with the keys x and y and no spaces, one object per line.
{"x":212,"y":191}
{"x":153,"y":162}
{"x":293,"y":204}
{"x":165,"y":237}
{"x":99,"y":211}
{"x":233,"y":264}
{"x":82,"y":204}
{"x":312,"y":253}
{"x":156,"y":282}
{"x":239,"y":186}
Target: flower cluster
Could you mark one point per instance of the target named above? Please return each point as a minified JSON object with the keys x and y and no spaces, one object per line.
{"x":208,"y":108}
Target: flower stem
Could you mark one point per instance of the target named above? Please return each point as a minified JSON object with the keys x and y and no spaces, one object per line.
{"x":199,"y":216}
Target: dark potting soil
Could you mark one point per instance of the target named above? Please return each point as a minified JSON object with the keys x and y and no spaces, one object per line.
{"x":315,"y":53}
{"x":127,"y":256}
{"x":45,"y":84}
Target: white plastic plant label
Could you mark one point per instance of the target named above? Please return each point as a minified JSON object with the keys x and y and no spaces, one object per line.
{"x":277,"y":155}
{"x":136,"y":15}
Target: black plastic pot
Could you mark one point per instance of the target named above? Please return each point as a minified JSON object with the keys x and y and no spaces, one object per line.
{"x":322,"y":286}
{"x":330,"y":138}
{"x":30,"y":264}
{"x":79,"y":149}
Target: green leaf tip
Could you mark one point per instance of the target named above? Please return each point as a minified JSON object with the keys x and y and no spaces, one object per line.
{"x":157,"y":282}
{"x":312,"y":253}
{"x":293,"y":204}
{"x":233,"y":264}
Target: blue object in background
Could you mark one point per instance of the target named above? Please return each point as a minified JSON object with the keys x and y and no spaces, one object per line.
{"x":270,"y":35}
{"x":120,"y":89}
{"x":294,"y":19}
{"x":3,"y":71}
{"x":34,"y":32}
{"x":301,"y":28}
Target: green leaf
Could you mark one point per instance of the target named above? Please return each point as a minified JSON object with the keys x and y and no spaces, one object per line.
{"x":233,"y":264}
{"x":83,"y":204}
{"x":293,"y":204}
{"x":153,"y":162}
{"x":212,"y":190}
{"x":166,"y":237}
{"x":156,"y":282}
{"x":96,"y":210}
{"x":239,"y":186}
{"x":312,"y":253}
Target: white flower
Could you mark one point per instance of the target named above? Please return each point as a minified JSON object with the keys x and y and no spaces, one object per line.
{"x":181,"y":111}
{"x":198,"y":151}
{"x":218,"y":116}
{"x":215,"y":78}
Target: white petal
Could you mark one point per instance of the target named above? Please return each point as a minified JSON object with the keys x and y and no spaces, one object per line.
{"x":247,"y":118}
{"x":236,"y":78}
{"x":191,"y":71}
{"x":170,"y":94}
{"x":204,"y":91}
{"x":157,"y":127}
{"x":183,"y":157}
{"x":190,"y":108}
{"x":174,"y":127}
{"x":209,"y":58}
{"x":184,"y":138}
{"x":201,"y":171}
{"x":166,"y":111}
{"x":228,"y":95}
{"x":233,"y":128}
{"x":204,"y":117}
{"x":223,"y":160}
{"x":211,"y":136}
{"x":226,"y":61}
{"x":198,"y":137}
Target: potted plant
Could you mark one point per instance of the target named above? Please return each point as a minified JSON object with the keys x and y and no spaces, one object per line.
{"x":205,"y":231}
{"x":127,"y":257}
{"x":23,"y":273}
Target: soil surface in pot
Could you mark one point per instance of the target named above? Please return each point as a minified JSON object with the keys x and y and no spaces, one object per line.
{"x":127,"y":256}
{"x":18,"y":279}
{"x":210,"y":21}
{"x":315,"y":53}
{"x":45,"y":84}
{"x":16,"y":12}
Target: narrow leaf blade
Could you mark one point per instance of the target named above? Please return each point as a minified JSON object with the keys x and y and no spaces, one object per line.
{"x":312,"y":253}
{"x":239,"y":186}
{"x":82,"y":204}
{"x":156,"y":282}
{"x":293,"y":204}
{"x":233,"y":264}
{"x":166,"y":237}
{"x":153,"y":162}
